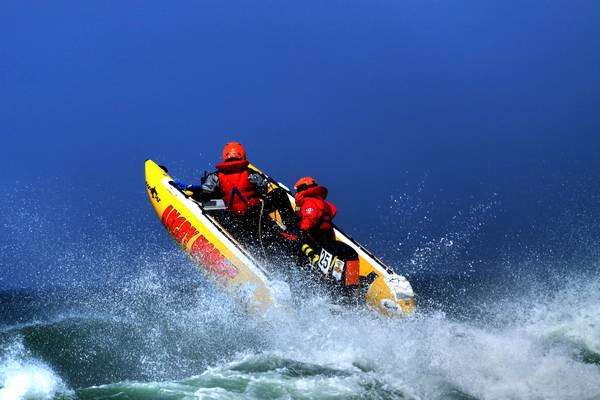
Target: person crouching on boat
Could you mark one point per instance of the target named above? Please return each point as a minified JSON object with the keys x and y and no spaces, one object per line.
{"x":317,"y":237}
{"x":244,"y":192}
{"x":316,"y":214}
{"x":239,"y":186}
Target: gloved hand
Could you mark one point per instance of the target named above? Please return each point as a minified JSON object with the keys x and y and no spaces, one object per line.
{"x":180,"y":185}
{"x":289,"y":236}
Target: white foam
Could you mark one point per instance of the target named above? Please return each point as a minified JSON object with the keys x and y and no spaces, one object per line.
{"x":23,"y":378}
{"x":536,"y":355}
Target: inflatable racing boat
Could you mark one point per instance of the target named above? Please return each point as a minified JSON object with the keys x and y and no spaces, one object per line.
{"x":242,"y":271}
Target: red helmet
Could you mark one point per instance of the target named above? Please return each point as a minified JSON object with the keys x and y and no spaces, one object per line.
{"x":234,"y":151}
{"x":305,"y":183}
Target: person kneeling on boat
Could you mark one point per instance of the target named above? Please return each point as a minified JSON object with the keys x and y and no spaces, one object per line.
{"x":245,"y":194}
{"x":239,"y":186}
{"x":338,"y":262}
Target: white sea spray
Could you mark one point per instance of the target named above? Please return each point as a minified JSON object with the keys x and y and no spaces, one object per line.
{"x":25,"y":378}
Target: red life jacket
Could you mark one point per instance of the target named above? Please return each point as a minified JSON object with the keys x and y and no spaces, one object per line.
{"x":314,"y":210}
{"x":239,"y":193}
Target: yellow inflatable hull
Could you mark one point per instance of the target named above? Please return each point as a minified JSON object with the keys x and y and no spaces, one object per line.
{"x":225,"y":261}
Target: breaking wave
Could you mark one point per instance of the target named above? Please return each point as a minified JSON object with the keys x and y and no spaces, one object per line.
{"x":148,"y":339}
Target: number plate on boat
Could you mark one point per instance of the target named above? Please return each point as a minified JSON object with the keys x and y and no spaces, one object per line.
{"x":325,"y":261}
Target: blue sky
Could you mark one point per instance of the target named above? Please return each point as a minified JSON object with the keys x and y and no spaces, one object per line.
{"x":470,"y":99}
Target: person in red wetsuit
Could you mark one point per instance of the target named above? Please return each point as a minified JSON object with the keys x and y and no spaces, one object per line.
{"x":244,"y":192}
{"x":316,"y":227}
{"x":239,"y":186}
{"x":316,"y":214}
